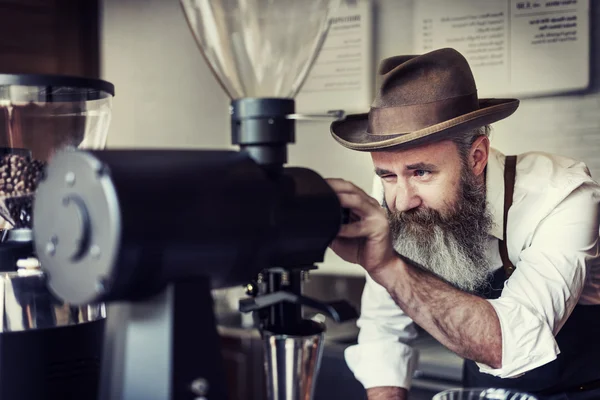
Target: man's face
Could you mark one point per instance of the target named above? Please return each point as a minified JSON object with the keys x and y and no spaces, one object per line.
{"x":426,"y":176}
{"x":436,"y":207}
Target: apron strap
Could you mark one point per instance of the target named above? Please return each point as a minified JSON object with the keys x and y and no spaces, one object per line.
{"x":509,"y":187}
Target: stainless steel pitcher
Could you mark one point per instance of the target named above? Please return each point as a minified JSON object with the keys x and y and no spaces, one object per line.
{"x":292,"y":364}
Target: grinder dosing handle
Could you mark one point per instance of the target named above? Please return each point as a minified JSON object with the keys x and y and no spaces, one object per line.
{"x":339,"y":311}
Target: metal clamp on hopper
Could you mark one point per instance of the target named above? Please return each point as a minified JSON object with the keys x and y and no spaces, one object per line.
{"x":151,"y":232}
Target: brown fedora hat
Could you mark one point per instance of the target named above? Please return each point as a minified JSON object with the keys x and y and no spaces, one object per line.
{"x":421,"y":99}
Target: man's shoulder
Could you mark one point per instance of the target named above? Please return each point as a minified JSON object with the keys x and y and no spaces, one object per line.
{"x":543,"y":182}
{"x":548,"y":171}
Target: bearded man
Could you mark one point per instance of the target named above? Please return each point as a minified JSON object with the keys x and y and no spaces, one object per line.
{"x":495,"y":256}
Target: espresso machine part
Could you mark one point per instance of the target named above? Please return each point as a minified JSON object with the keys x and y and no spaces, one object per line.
{"x":151,"y":232}
{"x":49,"y":349}
{"x":97,"y":243}
{"x":27,"y":302}
{"x":261,"y":53}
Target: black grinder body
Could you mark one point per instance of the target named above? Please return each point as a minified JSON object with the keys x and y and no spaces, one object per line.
{"x":53,"y":363}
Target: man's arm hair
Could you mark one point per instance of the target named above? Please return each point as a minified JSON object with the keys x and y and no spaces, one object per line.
{"x":464,"y":323}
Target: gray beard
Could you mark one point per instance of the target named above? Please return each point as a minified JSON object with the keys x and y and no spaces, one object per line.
{"x":451,"y":246}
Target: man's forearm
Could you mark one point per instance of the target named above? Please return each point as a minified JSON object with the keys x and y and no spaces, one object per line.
{"x":466,"y":324}
{"x":387,"y":393}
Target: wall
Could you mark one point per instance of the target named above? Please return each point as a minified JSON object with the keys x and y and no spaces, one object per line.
{"x":167,"y":97}
{"x":568,"y":124}
{"x":165,"y":93}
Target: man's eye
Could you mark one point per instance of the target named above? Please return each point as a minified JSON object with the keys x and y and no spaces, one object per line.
{"x":421,"y":172}
{"x":388,"y":177}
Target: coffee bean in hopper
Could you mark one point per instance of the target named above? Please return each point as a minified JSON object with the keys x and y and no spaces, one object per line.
{"x":19,"y":177}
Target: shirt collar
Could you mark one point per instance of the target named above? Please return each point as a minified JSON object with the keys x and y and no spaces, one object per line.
{"x":495,"y":191}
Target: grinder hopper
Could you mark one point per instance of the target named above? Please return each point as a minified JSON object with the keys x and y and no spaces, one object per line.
{"x":259,"y":48}
{"x":38,"y":115}
{"x":261,"y":52}
{"x":48,"y":348}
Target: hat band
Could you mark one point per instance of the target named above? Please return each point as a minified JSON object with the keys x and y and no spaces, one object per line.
{"x":406,"y":119}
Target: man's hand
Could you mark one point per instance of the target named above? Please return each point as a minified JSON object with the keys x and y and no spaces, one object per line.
{"x":366,"y":239}
{"x":387,"y":393}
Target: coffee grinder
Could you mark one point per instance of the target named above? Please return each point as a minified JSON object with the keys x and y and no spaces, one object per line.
{"x":49,"y":349}
{"x":152,"y":232}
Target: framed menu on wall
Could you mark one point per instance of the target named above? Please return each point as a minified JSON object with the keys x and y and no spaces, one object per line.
{"x":514,"y":47}
{"x":342,"y":76}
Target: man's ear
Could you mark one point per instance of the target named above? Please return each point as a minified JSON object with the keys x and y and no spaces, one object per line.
{"x":478,"y":156}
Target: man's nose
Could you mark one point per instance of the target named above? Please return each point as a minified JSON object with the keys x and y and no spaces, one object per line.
{"x":406,"y":199}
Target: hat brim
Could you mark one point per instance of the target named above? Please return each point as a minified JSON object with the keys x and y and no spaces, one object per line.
{"x":352,"y":131}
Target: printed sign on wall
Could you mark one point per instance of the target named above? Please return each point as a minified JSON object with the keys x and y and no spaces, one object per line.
{"x":514,"y":47}
{"x":342,"y":75}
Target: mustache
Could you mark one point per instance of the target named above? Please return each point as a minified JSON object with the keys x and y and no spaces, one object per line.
{"x":421,"y":215}
{"x":420,"y":219}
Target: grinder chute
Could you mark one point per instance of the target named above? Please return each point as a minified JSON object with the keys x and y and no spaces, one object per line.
{"x":151,"y":232}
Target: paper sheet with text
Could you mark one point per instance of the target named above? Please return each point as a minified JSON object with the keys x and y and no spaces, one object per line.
{"x":342,"y":76}
{"x":514,"y":47}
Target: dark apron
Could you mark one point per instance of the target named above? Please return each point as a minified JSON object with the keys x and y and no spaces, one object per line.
{"x":575,"y":374}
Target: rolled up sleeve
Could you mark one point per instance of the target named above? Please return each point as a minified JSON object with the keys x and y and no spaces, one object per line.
{"x":381,"y":358}
{"x":546,"y":285}
{"x":527,"y":341}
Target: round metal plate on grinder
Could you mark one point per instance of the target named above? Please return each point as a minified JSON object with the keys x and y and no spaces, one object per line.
{"x":76,"y":226}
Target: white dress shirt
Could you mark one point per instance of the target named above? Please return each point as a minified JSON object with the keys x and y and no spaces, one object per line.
{"x":552,"y":239}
